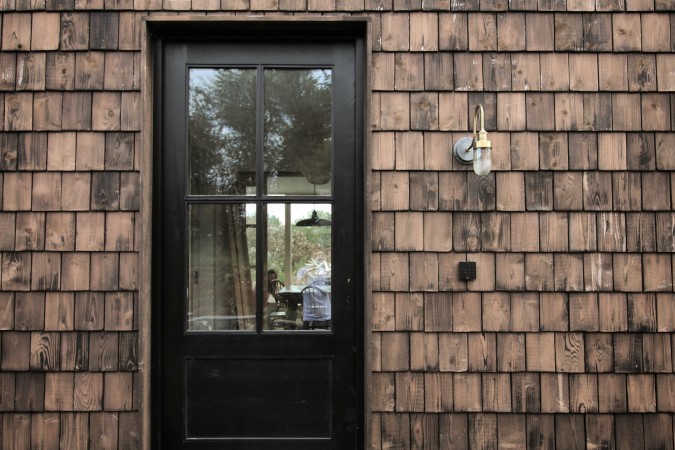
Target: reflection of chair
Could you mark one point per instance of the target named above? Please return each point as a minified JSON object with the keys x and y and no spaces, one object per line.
{"x":316,"y":308}
{"x":277,"y":313}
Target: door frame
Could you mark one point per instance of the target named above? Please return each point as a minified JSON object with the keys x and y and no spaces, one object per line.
{"x":154,"y":29}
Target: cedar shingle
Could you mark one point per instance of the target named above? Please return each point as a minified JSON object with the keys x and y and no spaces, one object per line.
{"x":395,"y":111}
{"x":597,"y":32}
{"x":423,"y":32}
{"x":466,"y":312}
{"x":16,"y":32}
{"x":553,"y":232}
{"x":395,"y":32}
{"x":568,"y":272}
{"x":18,"y":111}
{"x":438,"y":71}
{"x":7,"y":71}
{"x":627,"y":191}
{"x":613,"y":72}
{"x":89,"y":70}
{"x":653,"y":185}
{"x":539,"y":32}
{"x":394,"y":274}
{"x":423,"y":272}
{"x":598,"y":274}
{"x":658,"y":430}
{"x":539,"y":191}
{"x":640,"y":232}
{"x":497,"y":393}
{"x":510,"y":271}
{"x":612,"y":394}
{"x":567,"y":193}
{"x":540,"y":428}
{"x":453,"y":32}
{"x":424,"y":111}
{"x":570,"y":428}
{"x":437,"y":312}
{"x":105,"y":111}
{"x":61,"y":151}
{"x":437,"y":232}
{"x":448,"y":273}
{"x":467,"y":394}
{"x":525,"y":312}
{"x":383,"y":231}
{"x":424,"y":354}
{"x":409,"y":71}
{"x":510,"y":36}
{"x":511,"y":352}
{"x":540,"y":112}
{"x":626,"y":32}
{"x":31,"y":71}
{"x":525,"y":74}
{"x":569,"y":32}
{"x":30,"y":231}
{"x":656,"y":33}
{"x":482,"y":32}
{"x":76,"y":111}
{"x":526,"y":392}
{"x":467,"y":78}
{"x":656,"y":348}
{"x":555,"y":393}
{"x":466,"y":234}
{"x":383,"y":71}
{"x":641,"y":72}
{"x":74,"y":33}
{"x":511,"y":191}
{"x":16,"y":271}
{"x":600,"y":430}
{"x":524,"y":155}
{"x":625,"y":267}
{"x":655,"y":112}
{"x":583,"y":393}
{"x":395,"y":351}
{"x":641,"y":393}
{"x":540,"y":353}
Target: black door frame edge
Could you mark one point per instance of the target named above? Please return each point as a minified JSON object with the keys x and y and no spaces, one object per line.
{"x":242,"y":28}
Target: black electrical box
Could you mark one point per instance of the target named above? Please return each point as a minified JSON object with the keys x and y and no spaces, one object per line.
{"x":467,"y":271}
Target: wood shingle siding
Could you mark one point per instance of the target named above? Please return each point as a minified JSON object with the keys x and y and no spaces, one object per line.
{"x":564,"y":340}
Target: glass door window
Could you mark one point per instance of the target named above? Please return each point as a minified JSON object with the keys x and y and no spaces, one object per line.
{"x":247,"y":214}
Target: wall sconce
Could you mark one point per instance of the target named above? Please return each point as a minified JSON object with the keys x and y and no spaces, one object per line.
{"x":476,"y":149}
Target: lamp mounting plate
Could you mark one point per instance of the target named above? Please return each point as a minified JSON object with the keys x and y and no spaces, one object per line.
{"x":463,"y":150}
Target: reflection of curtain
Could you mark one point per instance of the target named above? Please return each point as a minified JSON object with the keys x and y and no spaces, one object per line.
{"x":220,"y":273}
{"x":239,"y":292}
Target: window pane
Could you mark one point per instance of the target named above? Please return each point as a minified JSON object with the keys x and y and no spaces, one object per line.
{"x":222,"y":129}
{"x":298,"y":134}
{"x":299,"y":250}
{"x":221,"y":267}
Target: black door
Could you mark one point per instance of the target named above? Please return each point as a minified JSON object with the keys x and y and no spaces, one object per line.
{"x":258,"y":268}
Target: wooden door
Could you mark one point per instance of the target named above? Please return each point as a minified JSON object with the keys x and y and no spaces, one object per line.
{"x":258,"y":177}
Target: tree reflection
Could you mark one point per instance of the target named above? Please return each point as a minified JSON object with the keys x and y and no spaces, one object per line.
{"x":298,"y":123}
{"x":222,"y":127}
{"x":222,"y":131}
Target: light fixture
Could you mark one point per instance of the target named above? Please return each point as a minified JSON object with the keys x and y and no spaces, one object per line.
{"x":476,"y":149}
{"x":314,"y":221}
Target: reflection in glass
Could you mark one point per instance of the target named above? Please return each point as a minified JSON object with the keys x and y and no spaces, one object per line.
{"x":298,"y":134}
{"x":222,"y":129}
{"x":297,"y":257}
{"x":221,"y":267}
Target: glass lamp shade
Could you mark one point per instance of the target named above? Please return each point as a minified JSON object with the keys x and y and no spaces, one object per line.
{"x":482,"y":160}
